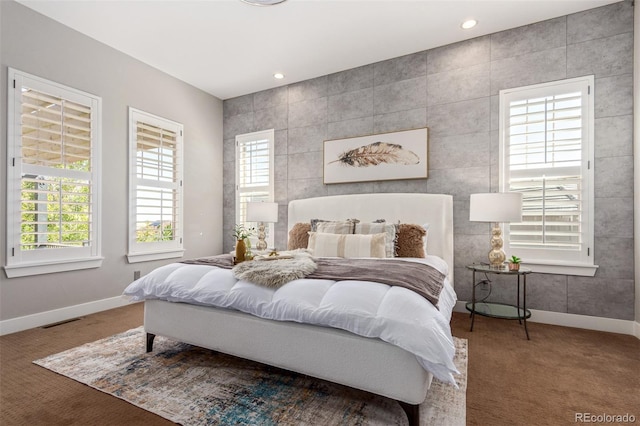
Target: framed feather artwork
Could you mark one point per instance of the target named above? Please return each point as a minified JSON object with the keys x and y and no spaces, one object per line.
{"x":385,"y":156}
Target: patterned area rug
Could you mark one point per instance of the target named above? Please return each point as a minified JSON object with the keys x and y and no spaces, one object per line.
{"x":194,"y":386}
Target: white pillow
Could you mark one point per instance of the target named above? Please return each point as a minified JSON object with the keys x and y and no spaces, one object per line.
{"x":426,"y":236}
{"x":347,"y":245}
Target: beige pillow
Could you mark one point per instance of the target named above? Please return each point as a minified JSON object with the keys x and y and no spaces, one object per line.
{"x":345,"y":245}
{"x":299,"y":236}
{"x":377,"y":228}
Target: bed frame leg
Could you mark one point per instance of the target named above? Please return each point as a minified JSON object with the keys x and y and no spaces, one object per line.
{"x":413,"y":413}
{"x":150,"y":338}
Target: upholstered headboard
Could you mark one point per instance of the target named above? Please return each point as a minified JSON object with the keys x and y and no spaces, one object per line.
{"x":433,"y":209}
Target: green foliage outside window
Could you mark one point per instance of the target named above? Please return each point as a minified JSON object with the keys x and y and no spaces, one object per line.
{"x":55,"y":212}
{"x":153,"y":232}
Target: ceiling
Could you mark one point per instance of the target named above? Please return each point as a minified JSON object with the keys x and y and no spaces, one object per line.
{"x":229,"y":48}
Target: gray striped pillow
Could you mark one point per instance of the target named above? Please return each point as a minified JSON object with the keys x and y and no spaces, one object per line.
{"x":381,"y":227}
{"x":332,"y":227}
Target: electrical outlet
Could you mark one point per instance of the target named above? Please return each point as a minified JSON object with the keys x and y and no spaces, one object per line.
{"x":136,"y":275}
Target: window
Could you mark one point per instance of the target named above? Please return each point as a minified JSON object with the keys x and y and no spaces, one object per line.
{"x":254,"y":175}
{"x":155,"y":187}
{"x":546,"y":152}
{"x":53,"y":184}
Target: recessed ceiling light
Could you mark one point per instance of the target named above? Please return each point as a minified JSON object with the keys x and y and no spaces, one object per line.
{"x":263,"y":2}
{"x":278,"y":75}
{"x":469,"y":23}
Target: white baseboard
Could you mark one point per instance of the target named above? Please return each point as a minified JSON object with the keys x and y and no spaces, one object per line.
{"x":578,"y":321}
{"x":26,"y":322}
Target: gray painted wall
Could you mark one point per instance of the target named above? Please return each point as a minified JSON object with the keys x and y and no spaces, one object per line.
{"x":43,"y":47}
{"x":453,"y":90}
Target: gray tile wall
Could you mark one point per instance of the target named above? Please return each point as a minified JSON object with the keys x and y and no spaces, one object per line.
{"x":453,"y":90}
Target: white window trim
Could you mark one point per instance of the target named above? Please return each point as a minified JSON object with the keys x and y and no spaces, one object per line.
{"x":156,"y":255}
{"x":585,"y":267}
{"x":270,"y":135}
{"x":144,"y":252}
{"x":63,"y":260}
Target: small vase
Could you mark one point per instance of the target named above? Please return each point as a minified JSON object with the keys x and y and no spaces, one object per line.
{"x":514,"y":266}
{"x":241,"y":249}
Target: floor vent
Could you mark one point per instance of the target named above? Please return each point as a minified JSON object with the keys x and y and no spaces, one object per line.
{"x":55,"y":324}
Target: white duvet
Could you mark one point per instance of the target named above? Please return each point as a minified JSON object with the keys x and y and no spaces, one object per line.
{"x":393,"y":314}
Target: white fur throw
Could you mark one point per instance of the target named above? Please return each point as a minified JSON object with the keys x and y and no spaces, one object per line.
{"x":276,"y":273}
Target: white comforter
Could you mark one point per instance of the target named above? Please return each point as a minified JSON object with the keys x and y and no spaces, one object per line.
{"x":393,"y":314}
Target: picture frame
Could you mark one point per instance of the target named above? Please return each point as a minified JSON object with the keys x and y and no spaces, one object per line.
{"x":379,"y":157}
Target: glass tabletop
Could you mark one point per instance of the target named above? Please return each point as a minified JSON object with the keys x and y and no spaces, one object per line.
{"x":482,"y":267}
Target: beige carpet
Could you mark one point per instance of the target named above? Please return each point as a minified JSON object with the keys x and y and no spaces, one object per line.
{"x":190,"y":385}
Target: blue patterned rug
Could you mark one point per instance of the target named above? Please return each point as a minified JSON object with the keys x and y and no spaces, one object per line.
{"x":194,"y":386}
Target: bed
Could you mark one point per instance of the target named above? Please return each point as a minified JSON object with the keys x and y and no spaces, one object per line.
{"x":332,"y":354}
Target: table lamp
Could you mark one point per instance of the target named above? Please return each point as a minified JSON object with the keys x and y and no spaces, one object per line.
{"x":262,"y":212}
{"x":496,"y":207}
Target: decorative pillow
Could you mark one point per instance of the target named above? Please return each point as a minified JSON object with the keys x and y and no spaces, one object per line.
{"x":299,"y":236}
{"x":342,"y":245}
{"x":378,"y":227}
{"x":411,"y":240}
{"x":332,"y":226}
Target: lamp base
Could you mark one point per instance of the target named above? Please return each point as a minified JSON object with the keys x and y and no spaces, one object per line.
{"x":496,"y":256}
{"x":496,"y":259}
{"x":261,"y":245}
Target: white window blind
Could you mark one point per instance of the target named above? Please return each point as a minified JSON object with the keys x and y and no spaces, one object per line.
{"x":546,"y":153}
{"x":53,"y":185}
{"x":254,"y":174}
{"x":155,"y":187}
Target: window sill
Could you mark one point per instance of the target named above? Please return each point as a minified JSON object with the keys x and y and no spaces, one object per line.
{"x":28,"y":269}
{"x":578,"y":269}
{"x":149,"y":256}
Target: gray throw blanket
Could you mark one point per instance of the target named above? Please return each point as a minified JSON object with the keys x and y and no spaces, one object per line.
{"x":417,"y":277}
{"x":221,"y":261}
{"x":423,"y":279}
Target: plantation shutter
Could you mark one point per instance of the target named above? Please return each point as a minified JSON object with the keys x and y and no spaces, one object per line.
{"x":53,"y":144}
{"x":254,"y":157}
{"x":546,"y":153}
{"x":56,"y":172}
{"x":156,"y":189}
{"x":157,"y":184}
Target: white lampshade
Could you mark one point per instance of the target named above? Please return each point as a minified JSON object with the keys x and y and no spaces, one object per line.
{"x":262,"y":212}
{"x":496,"y":207}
